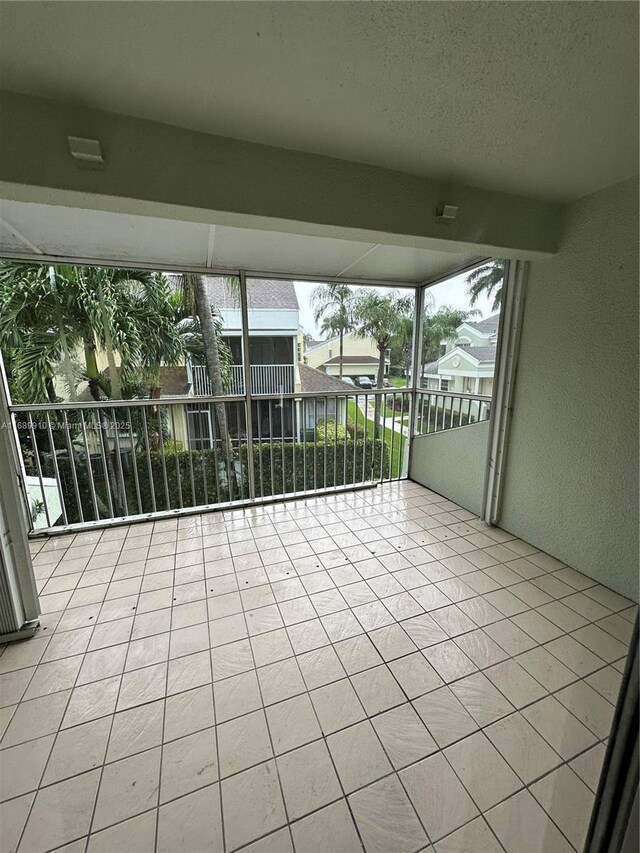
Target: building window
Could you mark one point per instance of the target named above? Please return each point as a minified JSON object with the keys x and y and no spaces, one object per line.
{"x":444,"y":384}
{"x":200,"y":429}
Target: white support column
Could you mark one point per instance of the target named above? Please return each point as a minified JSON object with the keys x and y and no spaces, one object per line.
{"x":503,"y":385}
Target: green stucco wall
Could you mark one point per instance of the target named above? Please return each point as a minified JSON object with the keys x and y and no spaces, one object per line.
{"x":452,"y":463}
{"x":571,"y":479}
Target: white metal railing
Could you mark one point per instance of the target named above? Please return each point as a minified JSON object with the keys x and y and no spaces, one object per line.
{"x":95,"y":463}
{"x":442,"y":410}
{"x":265,"y":379}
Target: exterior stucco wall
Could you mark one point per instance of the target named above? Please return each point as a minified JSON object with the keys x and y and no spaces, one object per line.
{"x":452,"y":463}
{"x":571,"y":479}
{"x":353,"y":345}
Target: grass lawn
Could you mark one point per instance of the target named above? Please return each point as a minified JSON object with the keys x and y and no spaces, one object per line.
{"x":389,"y":437}
{"x":397,"y":381}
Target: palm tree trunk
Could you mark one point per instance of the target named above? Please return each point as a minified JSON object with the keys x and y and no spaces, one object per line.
{"x":212,"y":357}
{"x":114,"y":374}
{"x":66,"y":357}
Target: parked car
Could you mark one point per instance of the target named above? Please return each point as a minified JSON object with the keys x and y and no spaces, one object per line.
{"x":364,"y":382}
{"x":348,"y":380}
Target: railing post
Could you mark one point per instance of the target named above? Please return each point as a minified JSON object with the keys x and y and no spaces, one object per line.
{"x":416,"y":371}
{"x":248,"y":387}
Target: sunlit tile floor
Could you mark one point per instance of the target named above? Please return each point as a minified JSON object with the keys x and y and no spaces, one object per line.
{"x":373,"y":670}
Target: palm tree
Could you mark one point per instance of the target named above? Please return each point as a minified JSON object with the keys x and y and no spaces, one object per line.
{"x":379,"y":316}
{"x":217,"y":357}
{"x":333,"y":306}
{"x":441,"y":326}
{"x":487,"y":279}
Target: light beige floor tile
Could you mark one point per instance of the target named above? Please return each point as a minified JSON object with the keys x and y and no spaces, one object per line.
{"x":559,"y":727}
{"x":243,"y":742}
{"x":511,"y":638}
{"x":51,"y":677}
{"x":404,"y":736}
{"x":357,"y":654}
{"x":481,"y":699}
{"x":236,"y":696}
{"x":61,"y":813}
{"x":445,"y":718}
{"x":308,"y":779}
{"x":292,"y":723}
{"x":568,"y":801}
{"x":78,"y":749}
{"x":522,"y":747}
{"x":386,"y":819}
{"x":320,"y":666}
{"x":377,"y":689}
{"x":136,"y":730}
{"x":515,"y":683}
{"x":260,"y":787}
{"x":191,"y":823}
{"x":588,"y":706}
{"x":600,"y":643}
{"x":482,"y":770}
{"x":449,"y":661}
{"x":415,"y":675}
{"x":521,"y":824}
{"x":231,"y":659}
{"x":13,"y":816}
{"x":188,"y":672}
{"x":440,"y":799}
{"x":188,"y":712}
{"x":128,"y":787}
{"x":588,"y":765}
{"x":358,"y":756}
{"x":35,"y":718}
{"x":188,"y":764}
{"x":280,"y":680}
{"x":102,"y":663}
{"x":473,"y":837}
{"x":147,"y":651}
{"x":546,"y":669}
{"x":142,"y":685}
{"x":271,"y":647}
{"x":136,"y":835}
{"x":337,"y":705}
{"x":330,"y":829}
{"x":22,"y":767}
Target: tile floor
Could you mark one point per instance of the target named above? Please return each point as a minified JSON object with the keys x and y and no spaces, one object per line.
{"x":376,"y":670}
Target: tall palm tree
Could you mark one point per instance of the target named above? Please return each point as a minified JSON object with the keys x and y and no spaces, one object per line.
{"x":487,"y":279}
{"x":196,"y":298}
{"x":333,"y":305}
{"x":377,"y":315}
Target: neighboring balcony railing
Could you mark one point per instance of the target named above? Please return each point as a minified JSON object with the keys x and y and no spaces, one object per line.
{"x":101,"y":462}
{"x":265,"y":379}
{"x":440,"y":410}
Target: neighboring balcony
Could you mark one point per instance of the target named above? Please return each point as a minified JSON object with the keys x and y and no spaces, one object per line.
{"x":265,"y":379}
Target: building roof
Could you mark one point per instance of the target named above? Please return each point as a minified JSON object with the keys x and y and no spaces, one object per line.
{"x":313,"y":344}
{"x":353,"y":359}
{"x":315,"y":380}
{"x":174,"y":381}
{"x":262,"y":294}
{"x":486,"y":354}
{"x":431,"y":367}
{"x":487,"y":327}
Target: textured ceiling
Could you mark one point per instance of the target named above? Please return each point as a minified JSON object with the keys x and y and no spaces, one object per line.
{"x":526,"y":97}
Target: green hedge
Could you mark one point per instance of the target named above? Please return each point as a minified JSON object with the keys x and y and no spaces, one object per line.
{"x":280,"y":468}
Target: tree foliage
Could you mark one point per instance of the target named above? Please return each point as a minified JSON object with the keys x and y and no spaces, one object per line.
{"x":487,"y":280}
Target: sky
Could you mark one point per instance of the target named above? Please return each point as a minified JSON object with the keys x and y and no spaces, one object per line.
{"x":452,"y":292}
